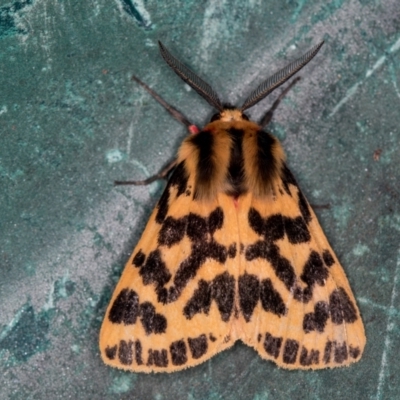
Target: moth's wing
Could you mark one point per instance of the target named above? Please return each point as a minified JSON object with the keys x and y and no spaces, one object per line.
{"x":297,"y":307}
{"x":174,"y":304}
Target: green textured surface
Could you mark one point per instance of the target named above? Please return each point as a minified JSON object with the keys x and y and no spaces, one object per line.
{"x":72,"y":121}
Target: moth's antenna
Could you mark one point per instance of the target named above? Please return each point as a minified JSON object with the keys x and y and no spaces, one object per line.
{"x":201,"y":87}
{"x":280,"y":77}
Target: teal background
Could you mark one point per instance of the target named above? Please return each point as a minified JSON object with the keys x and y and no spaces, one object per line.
{"x":71,"y":122}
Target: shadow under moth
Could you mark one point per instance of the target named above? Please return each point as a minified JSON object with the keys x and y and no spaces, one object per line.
{"x":231,"y":251}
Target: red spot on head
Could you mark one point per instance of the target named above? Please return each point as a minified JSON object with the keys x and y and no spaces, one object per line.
{"x":193,"y":129}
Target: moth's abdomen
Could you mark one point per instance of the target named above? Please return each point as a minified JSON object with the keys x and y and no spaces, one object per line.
{"x":232,"y":157}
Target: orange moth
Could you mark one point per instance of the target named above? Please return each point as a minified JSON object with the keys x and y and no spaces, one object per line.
{"x":231,"y":251}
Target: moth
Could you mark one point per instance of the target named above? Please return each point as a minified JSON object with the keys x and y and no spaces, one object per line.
{"x":231,"y":251}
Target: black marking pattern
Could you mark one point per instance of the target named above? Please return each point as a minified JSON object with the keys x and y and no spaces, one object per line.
{"x":221,"y":289}
{"x":272,"y":345}
{"x":178,"y":352}
{"x":316,"y":321}
{"x":339,"y":352}
{"x":271,"y":300}
{"x":126,"y":309}
{"x":130,"y":352}
{"x":125,"y":352}
{"x":111,"y":352}
{"x":159,"y":358}
{"x":198,"y":346}
{"x":249,"y":294}
{"x":200,"y":231}
{"x":152,"y":322}
{"x":291,"y":351}
{"x":309,"y":357}
{"x":342,"y":308}
{"x":179,"y":179}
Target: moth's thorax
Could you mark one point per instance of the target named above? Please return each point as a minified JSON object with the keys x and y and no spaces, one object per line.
{"x":232,"y":155}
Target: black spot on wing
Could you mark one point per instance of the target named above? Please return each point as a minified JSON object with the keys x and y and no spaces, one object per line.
{"x":223,"y":292}
{"x":159,"y":358}
{"x":271,"y":228}
{"x":328,"y":258}
{"x":341,"y":307}
{"x":274,"y":228}
{"x":125,"y":308}
{"x":290,"y":351}
{"x":302,"y":294}
{"x":316,"y":321}
{"x":125,"y":352}
{"x":152,"y":322}
{"x":138,"y":352}
{"x":328,"y":352}
{"x":354,"y":351}
{"x":200,"y":301}
{"x":256,"y":222}
{"x":232,"y":250}
{"x":172,"y":231}
{"x":139,"y":259}
{"x":179,"y":178}
{"x":309,"y":357}
{"x":296,"y":230}
{"x":111,"y":352}
{"x":215,"y":220}
{"x":314,"y":270}
{"x":271,"y":300}
{"x":340,"y":353}
{"x":163,"y":206}
{"x":198,"y":346}
{"x":178,"y":352}
{"x":197,"y":227}
{"x":154,"y":270}
{"x":272,"y":345}
{"x":249,"y":294}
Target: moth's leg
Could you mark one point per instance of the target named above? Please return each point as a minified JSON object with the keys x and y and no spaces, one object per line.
{"x":172,"y":110}
{"x":193,"y":129}
{"x":163,"y":174}
{"x":266,"y":119}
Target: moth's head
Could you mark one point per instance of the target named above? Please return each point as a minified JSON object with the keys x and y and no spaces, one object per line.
{"x":228,"y":113}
